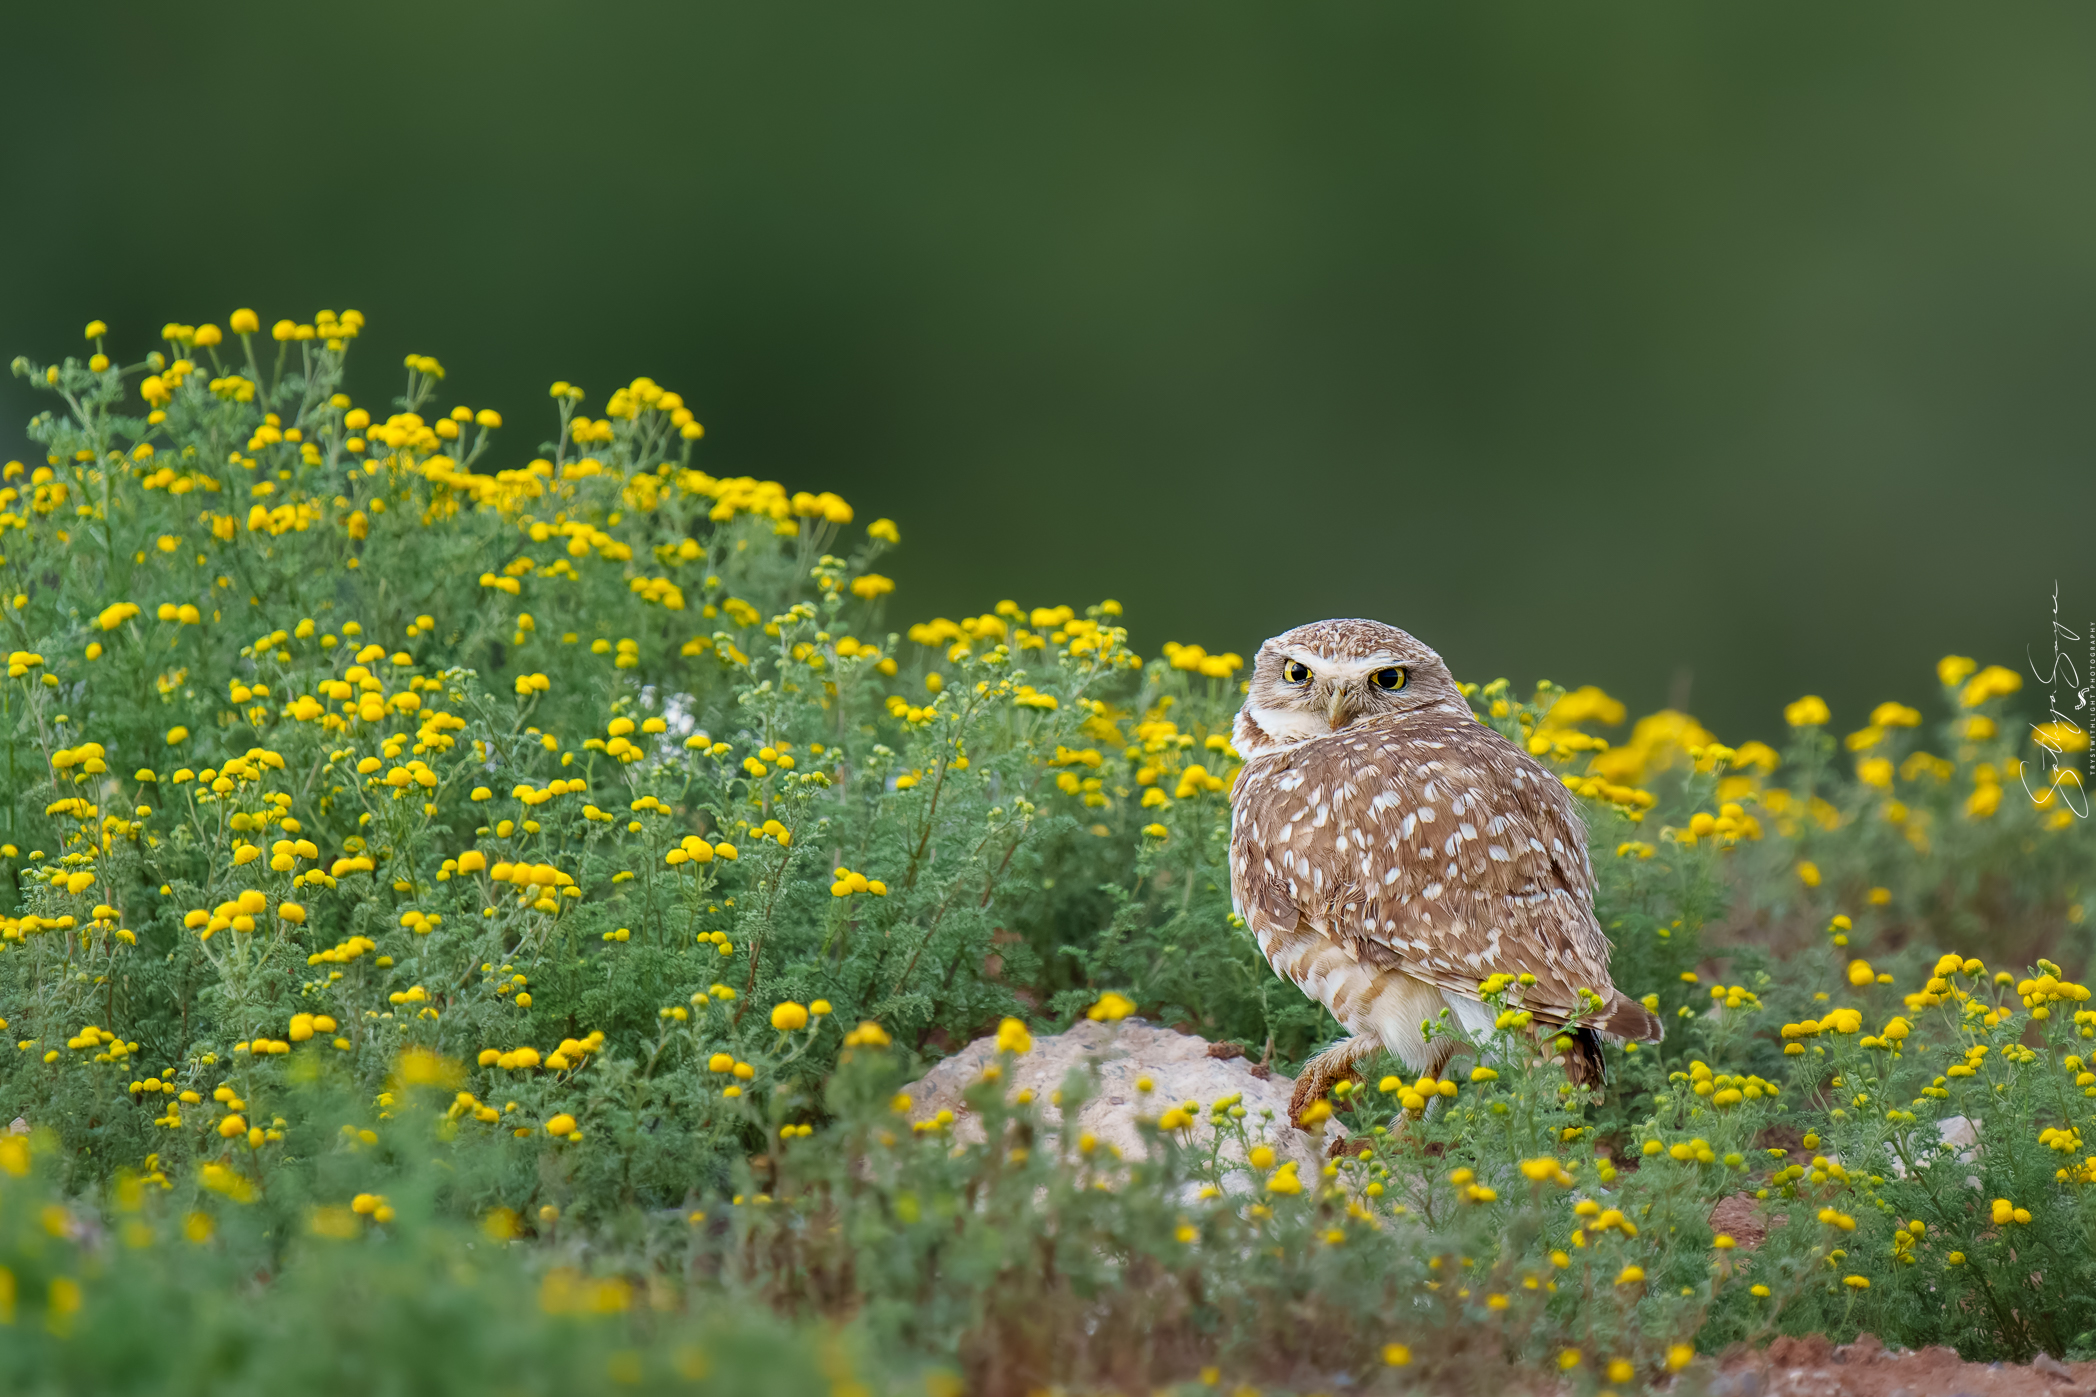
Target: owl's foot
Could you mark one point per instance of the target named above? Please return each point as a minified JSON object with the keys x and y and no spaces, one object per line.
{"x":1320,"y":1074}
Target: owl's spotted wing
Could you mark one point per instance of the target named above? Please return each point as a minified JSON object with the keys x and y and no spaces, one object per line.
{"x":1426,"y":841}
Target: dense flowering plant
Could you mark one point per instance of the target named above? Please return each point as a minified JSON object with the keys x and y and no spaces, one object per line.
{"x":406,"y":832}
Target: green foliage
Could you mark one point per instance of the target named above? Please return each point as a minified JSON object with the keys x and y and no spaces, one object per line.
{"x":405,"y":853}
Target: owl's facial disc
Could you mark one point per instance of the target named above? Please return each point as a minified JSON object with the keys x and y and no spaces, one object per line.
{"x":1320,"y":694}
{"x":1322,"y":678}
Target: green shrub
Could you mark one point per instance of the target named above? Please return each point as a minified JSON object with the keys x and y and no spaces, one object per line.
{"x":405,"y":852}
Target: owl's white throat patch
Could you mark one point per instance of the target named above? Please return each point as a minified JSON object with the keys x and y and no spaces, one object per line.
{"x":1288,"y":724}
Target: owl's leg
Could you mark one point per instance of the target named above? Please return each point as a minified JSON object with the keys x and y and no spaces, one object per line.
{"x":1443,"y":1049}
{"x":1322,"y":1072}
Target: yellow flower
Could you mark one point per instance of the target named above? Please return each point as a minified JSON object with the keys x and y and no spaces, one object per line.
{"x":789,"y":1016}
{"x":1396,"y":1355}
{"x":115,"y":615}
{"x":2064,"y":736}
{"x":1808,"y":712}
{"x":1111,"y":1008}
{"x":1992,"y":682}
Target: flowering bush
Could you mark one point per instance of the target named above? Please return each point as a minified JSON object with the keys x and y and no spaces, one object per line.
{"x":400,"y":830}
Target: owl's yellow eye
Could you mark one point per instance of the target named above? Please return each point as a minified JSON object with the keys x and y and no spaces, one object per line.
{"x":1296,"y":672}
{"x":1392,"y":678}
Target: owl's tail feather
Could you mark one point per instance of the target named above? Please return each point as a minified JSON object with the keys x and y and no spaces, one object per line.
{"x":1627,"y":1020}
{"x":1624,"y":1020}
{"x":1584,"y":1064}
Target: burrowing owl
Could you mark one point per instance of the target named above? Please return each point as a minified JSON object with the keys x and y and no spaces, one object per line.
{"x":1390,"y":851}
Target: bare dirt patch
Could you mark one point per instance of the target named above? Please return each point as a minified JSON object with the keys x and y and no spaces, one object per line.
{"x":1742,"y":1218}
{"x":1814,"y":1367}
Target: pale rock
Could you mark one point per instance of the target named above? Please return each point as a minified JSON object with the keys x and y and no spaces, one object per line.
{"x":1177,"y":1064}
{"x":1959,"y":1135}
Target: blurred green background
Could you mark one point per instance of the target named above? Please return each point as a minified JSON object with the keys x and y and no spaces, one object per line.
{"x":1700,"y":351}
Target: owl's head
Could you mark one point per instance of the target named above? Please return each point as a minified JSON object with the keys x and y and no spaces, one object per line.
{"x":1318,"y":679}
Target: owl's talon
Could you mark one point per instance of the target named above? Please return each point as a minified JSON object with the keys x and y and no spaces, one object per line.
{"x":1319,"y":1075}
{"x":1348,"y":1145}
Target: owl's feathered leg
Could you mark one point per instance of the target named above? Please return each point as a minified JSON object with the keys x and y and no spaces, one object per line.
{"x":1325,"y":1070}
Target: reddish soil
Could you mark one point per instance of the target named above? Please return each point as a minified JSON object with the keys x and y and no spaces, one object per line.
{"x":1813,"y":1367}
{"x":1741,"y":1218}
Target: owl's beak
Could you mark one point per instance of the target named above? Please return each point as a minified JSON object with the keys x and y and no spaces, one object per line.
{"x":1339,"y":711}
